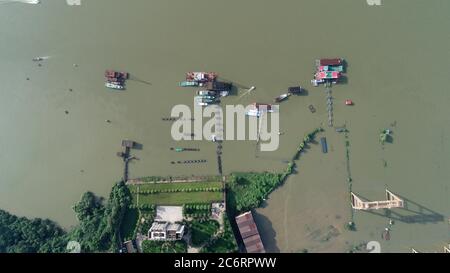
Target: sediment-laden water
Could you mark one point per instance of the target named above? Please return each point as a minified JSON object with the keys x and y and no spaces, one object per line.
{"x":397,"y":57}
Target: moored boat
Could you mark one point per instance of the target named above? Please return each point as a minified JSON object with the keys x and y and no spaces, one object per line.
{"x":114,"y":85}
{"x":201,"y":76}
{"x":282,"y":97}
{"x":190,"y":84}
{"x":117,"y":74}
{"x":206,"y":93}
{"x":295,"y":90}
{"x":38,"y":59}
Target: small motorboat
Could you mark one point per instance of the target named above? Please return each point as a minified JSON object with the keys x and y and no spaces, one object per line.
{"x":348,"y":102}
{"x":206,"y":93}
{"x":38,"y":59}
{"x":311,"y":108}
{"x":189,"y":84}
{"x":114,"y":85}
{"x":282,"y":97}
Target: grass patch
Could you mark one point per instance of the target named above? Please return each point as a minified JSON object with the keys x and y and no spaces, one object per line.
{"x":202,"y":231}
{"x":248,"y":190}
{"x":129,"y":223}
{"x":178,"y":198}
{"x":170,"y":186}
{"x":224,"y":243}
{"x":164,"y":247}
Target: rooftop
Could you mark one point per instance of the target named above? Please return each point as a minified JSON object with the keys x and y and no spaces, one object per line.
{"x":249,"y":233}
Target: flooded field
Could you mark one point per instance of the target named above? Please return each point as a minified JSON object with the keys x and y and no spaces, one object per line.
{"x":397,"y":58}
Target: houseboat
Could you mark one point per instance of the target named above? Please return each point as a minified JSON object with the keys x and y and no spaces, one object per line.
{"x":117,"y":74}
{"x":295,"y":90}
{"x":337,"y":68}
{"x":329,"y":62}
{"x":201,"y":76}
{"x":218,"y":86}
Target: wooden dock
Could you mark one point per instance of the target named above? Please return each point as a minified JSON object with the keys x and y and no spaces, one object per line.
{"x":329,"y":99}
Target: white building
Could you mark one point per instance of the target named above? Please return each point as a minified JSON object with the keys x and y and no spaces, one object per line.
{"x":164,"y":231}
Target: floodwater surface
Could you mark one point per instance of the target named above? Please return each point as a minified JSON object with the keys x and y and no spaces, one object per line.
{"x":56,"y":144}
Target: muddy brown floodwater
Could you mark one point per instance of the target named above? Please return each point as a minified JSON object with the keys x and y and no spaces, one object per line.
{"x":398,"y":63}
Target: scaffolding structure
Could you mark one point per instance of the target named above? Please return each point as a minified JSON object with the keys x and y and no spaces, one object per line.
{"x":392,"y":201}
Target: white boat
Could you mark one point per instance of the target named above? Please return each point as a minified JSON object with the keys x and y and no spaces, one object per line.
{"x":114,"y":86}
{"x":282,"y":97}
{"x":206,"y":93}
{"x":253,"y":113}
{"x":224,"y":93}
{"x":38,"y":59}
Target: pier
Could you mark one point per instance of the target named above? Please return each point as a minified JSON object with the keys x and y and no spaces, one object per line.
{"x":329,"y":99}
{"x":218,"y":137}
{"x":127,"y":145}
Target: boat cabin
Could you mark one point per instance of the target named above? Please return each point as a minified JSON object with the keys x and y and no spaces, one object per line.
{"x":295,"y":90}
{"x":219,"y":86}
{"x":326,"y":62}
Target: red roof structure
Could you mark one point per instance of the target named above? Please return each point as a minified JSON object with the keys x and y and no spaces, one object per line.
{"x":249,"y":233}
{"x":335,"y":61}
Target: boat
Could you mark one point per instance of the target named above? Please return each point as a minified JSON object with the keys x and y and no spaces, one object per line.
{"x":311,"y":108}
{"x":327,"y":75}
{"x":206,"y":93}
{"x":348,"y":102}
{"x":205,"y":99}
{"x":118,"y":80}
{"x":117,"y":74}
{"x":325,"y":62}
{"x":341,"y":129}
{"x":190,"y":84}
{"x":114,"y":86}
{"x":202,"y":77}
{"x":224,"y":93}
{"x":316,"y":82}
{"x":258,"y":109}
{"x":282,"y":97}
{"x":295,"y":90}
{"x":38,"y":59}
{"x":323,"y":141}
{"x":337,"y":68}
{"x":219,"y":86}
{"x":253,"y":113}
